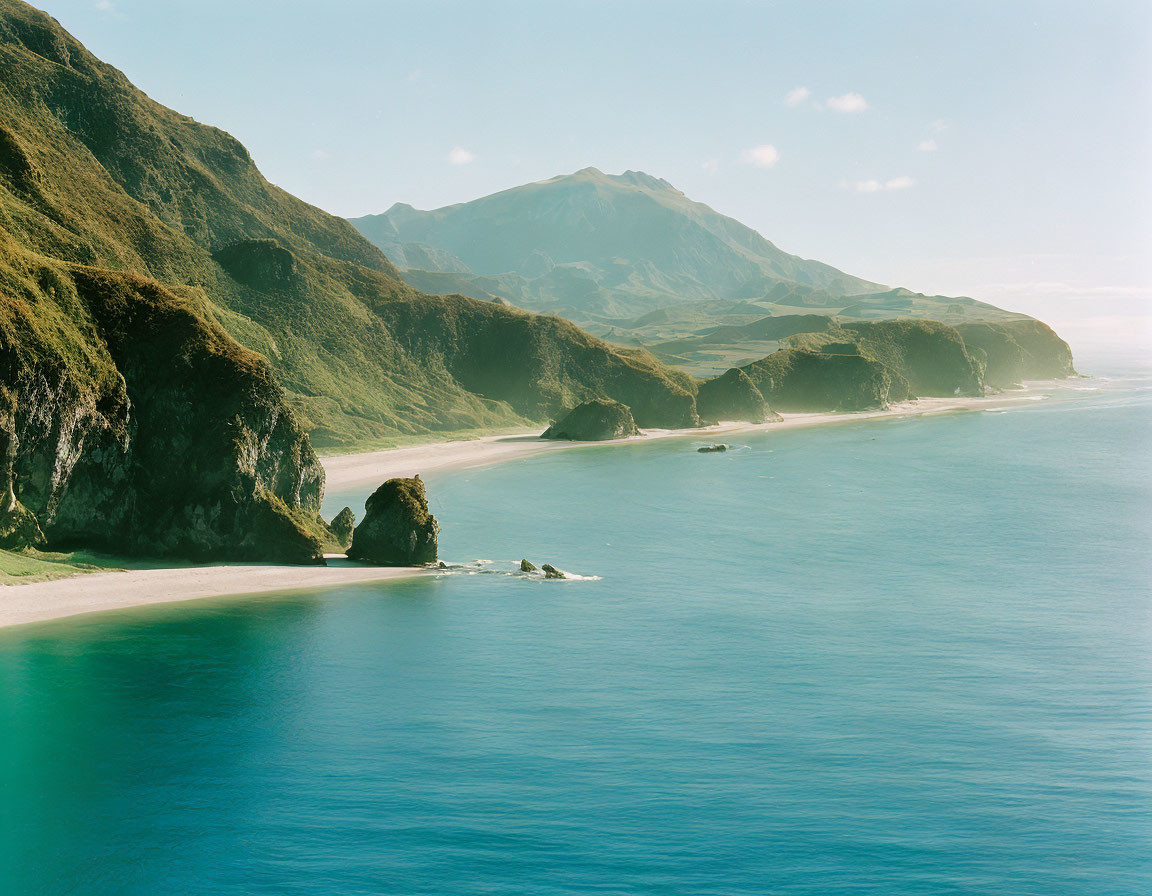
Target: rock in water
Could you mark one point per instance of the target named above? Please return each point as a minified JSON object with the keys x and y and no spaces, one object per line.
{"x":397,"y":529}
{"x":525,"y":566}
{"x":343,"y":525}
{"x":732,"y":396}
{"x":551,"y":572}
{"x":711,"y":449}
{"x":594,"y":421}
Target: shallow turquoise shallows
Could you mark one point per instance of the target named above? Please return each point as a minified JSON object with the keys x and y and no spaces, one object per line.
{"x":899,"y":657}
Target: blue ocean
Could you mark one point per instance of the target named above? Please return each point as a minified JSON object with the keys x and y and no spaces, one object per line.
{"x":905,"y":656}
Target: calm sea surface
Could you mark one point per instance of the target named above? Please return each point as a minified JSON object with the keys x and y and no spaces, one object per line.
{"x":899,"y":657}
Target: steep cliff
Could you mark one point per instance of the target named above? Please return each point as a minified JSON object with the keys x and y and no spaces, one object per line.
{"x":136,"y":425}
{"x":1018,"y":350}
{"x":801,"y":380}
{"x":930,"y":355}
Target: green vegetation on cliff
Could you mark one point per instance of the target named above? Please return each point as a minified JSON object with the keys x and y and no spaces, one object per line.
{"x":1019,"y":350}
{"x":801,"y":380}
{"x":732,"y":396}
{"x":930,"y":355}
{"x":398,"y":529}
{"x":594,"y":421}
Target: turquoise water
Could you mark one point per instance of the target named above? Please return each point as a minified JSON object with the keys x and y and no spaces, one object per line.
{"x":900,"y":657}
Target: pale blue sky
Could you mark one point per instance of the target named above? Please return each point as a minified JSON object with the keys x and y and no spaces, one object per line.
{"x":996,"y":149}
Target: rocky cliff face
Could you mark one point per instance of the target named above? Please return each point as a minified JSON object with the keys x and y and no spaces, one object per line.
{"x":732,"y":396}
{"x":1014,"y":351}
{"x":806,"y":381}
{"x":144,"y":429}
{"x":929,"y":355}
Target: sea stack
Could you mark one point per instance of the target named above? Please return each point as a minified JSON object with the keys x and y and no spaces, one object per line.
{"x":397,"y":529}
{"x":343,"y":525}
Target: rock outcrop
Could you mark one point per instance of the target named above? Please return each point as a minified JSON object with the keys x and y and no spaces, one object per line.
{"x":551,"y":572}
{"x":594,"y":421}
{"x":527,"y":566}
{"x":398,"y":529}
{"x":342,"y":526}
{"x":732,"y":396}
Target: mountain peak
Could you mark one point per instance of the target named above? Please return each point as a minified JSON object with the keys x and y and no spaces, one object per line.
{"x":646,"y":181}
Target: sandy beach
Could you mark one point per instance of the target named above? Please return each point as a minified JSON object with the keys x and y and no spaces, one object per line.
{"x":94,"y":592}
{"x":351,"y":471}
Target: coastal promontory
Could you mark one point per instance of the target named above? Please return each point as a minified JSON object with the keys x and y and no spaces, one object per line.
{"x":597,"y":420}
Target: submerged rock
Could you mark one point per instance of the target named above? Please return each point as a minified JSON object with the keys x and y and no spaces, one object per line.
{"x":551,"y":572}
{"x":343,"y":525}
{"x":594,"y":421}
{"x":525,"y":566}
{"x":710,"y":449}
{"x":397,"y":529}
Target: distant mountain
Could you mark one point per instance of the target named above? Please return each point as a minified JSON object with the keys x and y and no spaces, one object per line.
{"x":591,"y":243}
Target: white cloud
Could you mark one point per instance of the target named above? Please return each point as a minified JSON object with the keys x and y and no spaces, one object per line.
{"x":875,"y":186}
{"x":849,"y":102}
{"x":927,"y":146}
{"x":797,"y":96}
{"x":711,"y":165}
{"x":104,"y":5}
{"x":938,"y":126}
{"x":762,"y":156}
{"x":460,"y":156}
{"x":321,"y":155}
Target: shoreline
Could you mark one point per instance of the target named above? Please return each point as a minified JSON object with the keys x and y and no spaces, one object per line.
{"x":348,"y":471}
{"x":96,"y":592}
{"x":93,"y":592}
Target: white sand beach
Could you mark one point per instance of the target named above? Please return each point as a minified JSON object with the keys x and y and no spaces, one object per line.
{"x":370,"y":469}
{"x":94,"y":592}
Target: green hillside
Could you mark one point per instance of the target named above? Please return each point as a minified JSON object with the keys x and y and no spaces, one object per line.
{"x":176,"y":333}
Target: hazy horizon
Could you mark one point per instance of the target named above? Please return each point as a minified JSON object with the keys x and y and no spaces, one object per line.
{"x":996,"y":151}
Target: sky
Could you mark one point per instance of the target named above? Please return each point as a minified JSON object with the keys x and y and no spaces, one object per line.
{"x":994,"y":149}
